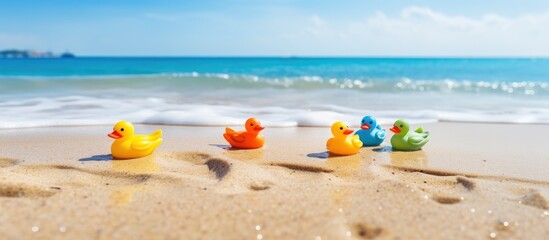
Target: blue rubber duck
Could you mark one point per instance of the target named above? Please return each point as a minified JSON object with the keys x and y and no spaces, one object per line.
{"x":370,"y":133}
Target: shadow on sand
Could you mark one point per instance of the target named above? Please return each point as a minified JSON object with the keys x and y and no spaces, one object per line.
{"x":106,"y":157}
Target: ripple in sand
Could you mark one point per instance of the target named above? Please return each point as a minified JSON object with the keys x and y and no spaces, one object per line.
{"x":365,"y":231}
{"x":304,"y":168}
{"x":260,"y":186}
{"x":446,"y":200}
{"x":218,"y":166}
{"x":21,"y":190}
{"x":534,"y":199}
{"x":8,"y":162}
{"x":83,"y":177}
{"x":466,"y":183}
{"x":192,"y":157}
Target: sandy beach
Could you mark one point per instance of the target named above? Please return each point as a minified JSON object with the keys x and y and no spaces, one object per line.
{"x":472,"y":181}
{"x":77,"y":76}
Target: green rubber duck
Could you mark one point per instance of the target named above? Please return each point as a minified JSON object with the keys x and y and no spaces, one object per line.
{"x":405,"y":140}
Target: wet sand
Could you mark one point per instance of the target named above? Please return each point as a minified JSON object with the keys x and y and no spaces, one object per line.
{"x":472,"y":181}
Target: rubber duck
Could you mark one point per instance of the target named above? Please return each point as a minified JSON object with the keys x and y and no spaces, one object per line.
{"x":370,"y":133}
{"x":405,"y":140}
{"x":342,"y":142}
{"x":249,"y":139}
{"x":127,"y":145}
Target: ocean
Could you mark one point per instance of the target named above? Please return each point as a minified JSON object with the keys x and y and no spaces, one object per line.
{"x":281,"y":92}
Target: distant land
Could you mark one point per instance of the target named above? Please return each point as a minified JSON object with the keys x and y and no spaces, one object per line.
{"x":14,"y":53}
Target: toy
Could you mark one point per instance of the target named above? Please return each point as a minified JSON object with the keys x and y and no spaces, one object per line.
{"x":343,"y":143}
{"x":249,"y":139}
{"x":405,"y":140}
{"x":127,"y":145}
{"x":370,"y":133}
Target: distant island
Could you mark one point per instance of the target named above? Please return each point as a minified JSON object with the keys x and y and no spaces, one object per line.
{"x":14,"y":53}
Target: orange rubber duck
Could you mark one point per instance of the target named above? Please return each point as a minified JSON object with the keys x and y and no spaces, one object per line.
{"x":249,"y":139}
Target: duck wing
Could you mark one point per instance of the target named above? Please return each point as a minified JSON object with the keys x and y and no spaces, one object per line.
{"x":141,"y":144}
{"x":418,"y":140}
{"x":356,"y":141}
{"x":380,"y":134}
{"x":234,"y":135}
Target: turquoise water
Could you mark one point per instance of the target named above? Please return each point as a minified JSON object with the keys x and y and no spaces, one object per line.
{"x":282,"y":91}
{"x":481,"y":69}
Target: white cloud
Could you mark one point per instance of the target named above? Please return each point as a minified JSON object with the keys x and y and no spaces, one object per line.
{"x":423,"y":31}
{"x":414,"y":31}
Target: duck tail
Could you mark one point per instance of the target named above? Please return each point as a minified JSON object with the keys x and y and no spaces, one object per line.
{"x":229,"y":130}
{"x":157,"y":134}
{"x":419,"y":130}
{"x":381,"y":134}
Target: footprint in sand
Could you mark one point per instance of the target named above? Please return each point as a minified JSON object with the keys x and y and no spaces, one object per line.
{"x":13,"y":190}
{"x":62,"y":175}
{"x":449,"y":188}
{"x":30,"y":181}
{"x":25,"y":191}
{"x":365,"y":231}
{"x":534,"y":199}
{"x":439,"y":186}
{"x":219,"y":167}
{"x":456,"y":185}
{"x":8,"y":162}
{"x":220,"y":173}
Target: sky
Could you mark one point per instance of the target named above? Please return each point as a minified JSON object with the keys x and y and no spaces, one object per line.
{"x":278,"y":27}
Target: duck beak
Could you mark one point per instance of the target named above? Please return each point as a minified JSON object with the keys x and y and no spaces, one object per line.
{"x":115,"y":135}
{"x":365,"y":126}
{"x":259,"y":128}
{"x":348,"y":131}
{"x":395,"y":129}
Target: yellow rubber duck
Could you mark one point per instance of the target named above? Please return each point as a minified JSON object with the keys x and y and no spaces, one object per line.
{"x":343,"y":143}
{"x":127,"y":145}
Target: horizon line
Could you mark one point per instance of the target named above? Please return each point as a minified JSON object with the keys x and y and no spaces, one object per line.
{"x":303,"y":56}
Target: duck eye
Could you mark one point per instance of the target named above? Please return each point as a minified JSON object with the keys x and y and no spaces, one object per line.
{"x":371,"y":122}
{"x":401,"y":126}
{"x":251,"y":124}
{"x":340,"y":128}
{"x":362,"y":121}
{"x":122,"y":129}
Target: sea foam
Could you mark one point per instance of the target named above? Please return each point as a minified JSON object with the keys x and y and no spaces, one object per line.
{"x":211,"y":99}
{"x":86,"y":110}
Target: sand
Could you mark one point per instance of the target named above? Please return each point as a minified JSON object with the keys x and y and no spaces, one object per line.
{"x":472,"y":181}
